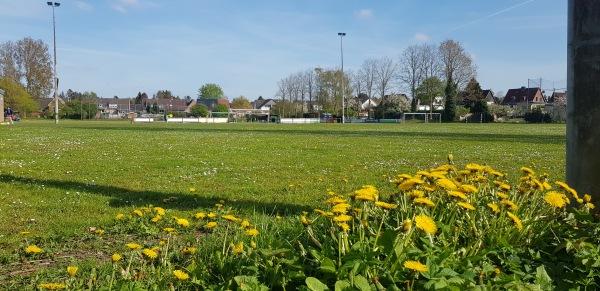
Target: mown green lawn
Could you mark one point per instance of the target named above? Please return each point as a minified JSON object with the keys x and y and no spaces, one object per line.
{"x":84,"y":170}
{"x":56,"y":181}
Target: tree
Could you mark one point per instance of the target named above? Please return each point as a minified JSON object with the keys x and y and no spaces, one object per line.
{"x":221,"y":108}
{"x":241,"y":103}
{"x":429,"y":89}
{"x":385,"y":71}
{"x":16,"y":97}
{"x":392,"y":106}
{"x":472,"y":93}
{"x":449,"y":113}
{"x":210,"y":91}
{"x":77,"y":109}
{"x":411,"y":68}
{"x":163,"y":94}
{"x":199,"y":110}
{"x":457,"y":63}
{"x":27,"y":62}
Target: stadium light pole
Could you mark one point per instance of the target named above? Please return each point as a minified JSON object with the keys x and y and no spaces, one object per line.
{"x":54,"y":5}
{"x":342,"y":34}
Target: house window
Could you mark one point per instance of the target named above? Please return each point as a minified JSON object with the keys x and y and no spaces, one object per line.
{"x":112,"y":106}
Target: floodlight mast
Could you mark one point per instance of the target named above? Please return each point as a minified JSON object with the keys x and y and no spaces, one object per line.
{"x":342,"y":34}
{"x":53,"y":5}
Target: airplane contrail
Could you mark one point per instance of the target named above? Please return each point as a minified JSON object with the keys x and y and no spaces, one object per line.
{"x":488,"y":16}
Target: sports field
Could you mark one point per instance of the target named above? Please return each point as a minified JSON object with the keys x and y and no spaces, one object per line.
{"x":59,"y":181}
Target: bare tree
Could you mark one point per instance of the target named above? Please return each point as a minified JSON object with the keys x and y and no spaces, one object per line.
{"x":410,"y":69}
{"x":369,"y":71}
{"x":28,"y":62}
{"x":385,"y":72}
{"x":457,"y":63}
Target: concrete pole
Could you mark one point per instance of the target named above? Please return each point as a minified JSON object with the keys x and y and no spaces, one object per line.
{"x":583,"y":98}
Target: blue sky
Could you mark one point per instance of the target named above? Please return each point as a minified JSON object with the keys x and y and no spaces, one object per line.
{"x":121,"y":47}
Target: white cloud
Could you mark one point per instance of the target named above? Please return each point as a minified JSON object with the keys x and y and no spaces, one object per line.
{"x":119,"y":8}
{"x":421,"y":37}
{"x":365,"y":13}
{"x":84,"y":6}
{"x":130,"y":2}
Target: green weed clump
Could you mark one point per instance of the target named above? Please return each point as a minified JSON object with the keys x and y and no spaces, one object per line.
{"x":446,"y":228}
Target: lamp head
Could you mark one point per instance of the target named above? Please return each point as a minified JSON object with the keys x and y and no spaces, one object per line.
{"x":341,"y":33}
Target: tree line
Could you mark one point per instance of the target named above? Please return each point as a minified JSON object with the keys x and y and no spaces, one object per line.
{"x":425,"y":71}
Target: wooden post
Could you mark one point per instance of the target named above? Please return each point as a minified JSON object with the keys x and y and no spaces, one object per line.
{"x":583,"y":98}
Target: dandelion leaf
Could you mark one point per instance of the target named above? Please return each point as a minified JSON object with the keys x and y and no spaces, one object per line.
{"x":361,"y":283}
{"x":343,"y":285}
{"x":315,"y":285}
{"x":543,"y":279}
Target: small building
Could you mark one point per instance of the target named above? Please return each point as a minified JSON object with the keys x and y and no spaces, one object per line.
{"x":525,"y":98}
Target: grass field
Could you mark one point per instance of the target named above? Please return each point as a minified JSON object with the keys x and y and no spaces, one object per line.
{"x":57,"y":181}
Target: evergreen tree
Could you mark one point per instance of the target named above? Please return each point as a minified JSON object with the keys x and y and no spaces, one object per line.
{"x":450,"y":105}
{"x":472,"y":93}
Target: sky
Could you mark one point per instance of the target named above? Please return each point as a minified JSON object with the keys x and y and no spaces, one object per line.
{"x":122,"y":47}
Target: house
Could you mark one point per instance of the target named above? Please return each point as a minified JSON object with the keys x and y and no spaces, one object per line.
{"x":526,"y":98}
{"x":109,"y":108}
{"x":557,"y":105}
{"x":438,"y":104}
{"x":263,"y":104}
{"x":488,"y":95}
{"x":46,"y":106}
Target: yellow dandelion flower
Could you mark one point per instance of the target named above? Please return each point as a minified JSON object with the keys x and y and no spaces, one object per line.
{"x":138,"y":212}
{"x":424,"y":201}
{"x":502,"y":195}
{"x":156,"y":219}
{"x":344,"y":226}
{"x":464,"y":172}
{"x":466,"y":205}
{"x":211,"y":215}
{"x":415,"y":266}
{"x":230,"y":217}
{"x":474,"y":167}
{"x":239,"y":248}
{"x":367,"y":193}
{"x":515,"y":219}
{"x":457,"y":194}
{"x":425,"y":223}
{"x":162,"y":243}
{"x":188,"y":251}
{"x":504,"y":187}
{"x":446,"y":184}
{"x":133,"y":246}
{"x":579,"y":200}
{"x":72,"y":270}
{"x":342,"y":218}
{"x":590,"y":205}
{"x":278,"y":217}
{"x":429,"y":188}
{"x":181,"y":275}
{"x":406,"y":185}
{"x":244,"y":224}
{"x":169,"y":229}
{"x":466,"y":188}
{"x":562,"y":185}
{"x":119,"y":216}
{"x":573,"y":193}
{"x":99,"y":231}
{"x":537,"y":184}
{"x":306,"y":221}
{"x":33,"y":249}
{"x":192,"y":189}
{"x":450,"y":158}
{"x":493,"y":207}
{"x":546,"y":185}
{"x":52,"y":286}
{"x":341,"y":208}
{"x":497,"y":271}
{"x":159,"y":210}
{"x":406,"y":224}
{"x":385,"y":205}
{"x":497,"y":174}
{"x":252,"y":232}
{"x":527,"y":171}
{"x":511,"y":205}
{"x":145,"y":209}
{"x":555,"y":199}
{"x":587,"y":198}
{"x":416,"y":194}
{"x":115,"y":258}
{"x":218,"y":205}
{"x":183,"y":222}
{"x":149,"y":253}
{"x":200,"y":215}
{"x":319,"y":211}
{"x":211,"y":224}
